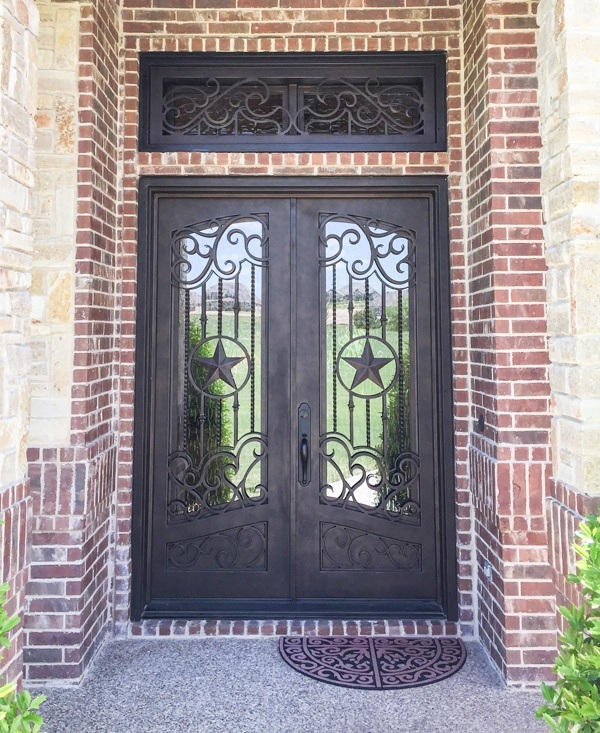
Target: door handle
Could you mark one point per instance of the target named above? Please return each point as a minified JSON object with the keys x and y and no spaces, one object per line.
{"x":304,"y":460}
{"x":304,"y":444}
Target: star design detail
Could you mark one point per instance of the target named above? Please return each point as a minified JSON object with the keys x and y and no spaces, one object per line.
{"x":367,"y":367}
{"x":219,"y":366}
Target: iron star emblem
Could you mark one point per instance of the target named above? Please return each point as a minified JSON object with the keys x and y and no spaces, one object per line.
{"x":367,"y":367}
{"x":219,"y":366}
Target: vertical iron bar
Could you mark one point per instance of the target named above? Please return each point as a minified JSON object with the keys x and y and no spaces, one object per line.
{"x":384,"y":429}
{"x":220,"y":308}
{"x":367,"y":311}
{"x":236,"y":308}
{"x":204,"y":316}
{"x":350,"y":337}
{"x":204,"y":329}
{"x":367,"y":331}
{"x":186,"y":380}
{"x":252,"y":338}
{"x":293,"y":106}
{"x":219,"y":441}
{"x":202,"y":420}
{"x":236,"y":333}
{"x":350,"y":310}
{"x":401,"y":437}
{"x":334,"y":370}
{"x":383,"y":313}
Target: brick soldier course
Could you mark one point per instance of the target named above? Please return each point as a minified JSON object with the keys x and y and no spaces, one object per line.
{"x":523,"y":165}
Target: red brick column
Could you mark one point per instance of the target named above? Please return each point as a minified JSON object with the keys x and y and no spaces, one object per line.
{"x":74,"y":488}
{"x":510,"y":451}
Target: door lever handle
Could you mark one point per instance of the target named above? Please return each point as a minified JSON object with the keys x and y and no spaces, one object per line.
{"x":304,"y":444}
{"x":304,"y":460}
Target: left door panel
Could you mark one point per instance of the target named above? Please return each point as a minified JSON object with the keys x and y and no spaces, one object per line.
{"x":219,"y":461}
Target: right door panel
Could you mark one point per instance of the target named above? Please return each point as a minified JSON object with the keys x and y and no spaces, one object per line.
{"x":366,"y":504}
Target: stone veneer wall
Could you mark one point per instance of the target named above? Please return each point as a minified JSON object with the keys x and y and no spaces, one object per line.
{"x":53,"y":279}
{"x":569,"y":69}
{"x":508,"y":354}
{"x":74,"y":485}
{"x":18,"y":30}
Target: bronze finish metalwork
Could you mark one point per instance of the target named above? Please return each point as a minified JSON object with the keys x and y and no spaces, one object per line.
{"x":293,"y":101}
{"x":293,"y":419}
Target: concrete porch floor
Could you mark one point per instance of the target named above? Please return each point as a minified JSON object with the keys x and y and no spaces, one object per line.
{"x":243,"y":686}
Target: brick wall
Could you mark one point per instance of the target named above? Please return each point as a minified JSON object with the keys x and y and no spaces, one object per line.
{"x":18,"y":30}
{"x":498,"y":304}
{"x":508,"y":355}
{"x":569,"y":66}
{"x":497,"y":217}
{"x":73,"y":487}
{"x":293,"y":25}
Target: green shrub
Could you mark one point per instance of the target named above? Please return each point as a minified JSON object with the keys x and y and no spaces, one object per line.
{"x":573,"y":702}
{"x":360,"y":318}
{"x":17,"y":709}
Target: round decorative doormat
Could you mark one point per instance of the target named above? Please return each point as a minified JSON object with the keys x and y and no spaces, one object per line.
{"x":374,"y":662}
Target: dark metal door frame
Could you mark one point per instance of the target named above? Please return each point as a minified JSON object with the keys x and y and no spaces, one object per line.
{"x":434,"y":188}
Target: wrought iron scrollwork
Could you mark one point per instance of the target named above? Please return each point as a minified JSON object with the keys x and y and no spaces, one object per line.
{"x":327,"y":107}
{"x":346,"y":548}
{"x":369,"y":247}
{"x":239,"y":548}
{"x":211,"y":107}
{"x":369,"y":271}
{"x":223,"y":481}
{"x":373,"y":107}
{"x":218,"y":247}
{"x":365,"y":484}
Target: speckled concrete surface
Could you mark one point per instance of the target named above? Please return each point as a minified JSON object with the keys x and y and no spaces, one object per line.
{"x":243,"y":686}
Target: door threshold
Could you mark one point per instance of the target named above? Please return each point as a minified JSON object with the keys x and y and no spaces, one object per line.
{"x":251,"y":628}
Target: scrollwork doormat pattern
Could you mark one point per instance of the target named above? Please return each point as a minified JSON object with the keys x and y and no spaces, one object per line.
{"x":374,"y":663}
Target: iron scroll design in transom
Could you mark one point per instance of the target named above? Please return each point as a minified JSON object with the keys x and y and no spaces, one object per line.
{"x":333,"y":107}
{"x":295,"y":102}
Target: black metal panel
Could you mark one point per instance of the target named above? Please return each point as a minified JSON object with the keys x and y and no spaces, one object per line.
{"x":292,"y":102}
{"x":284,"y":545}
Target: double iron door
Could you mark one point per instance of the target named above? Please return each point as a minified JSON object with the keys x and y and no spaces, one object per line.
{"x":290,"y":454}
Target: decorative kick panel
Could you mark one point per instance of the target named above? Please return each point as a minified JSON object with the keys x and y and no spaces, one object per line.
{"x":368,"y":459}
{"x":297,"y":102}
{"x":345,"y":548}
{"x":239,"y":548}
{"x":219,"y":452}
